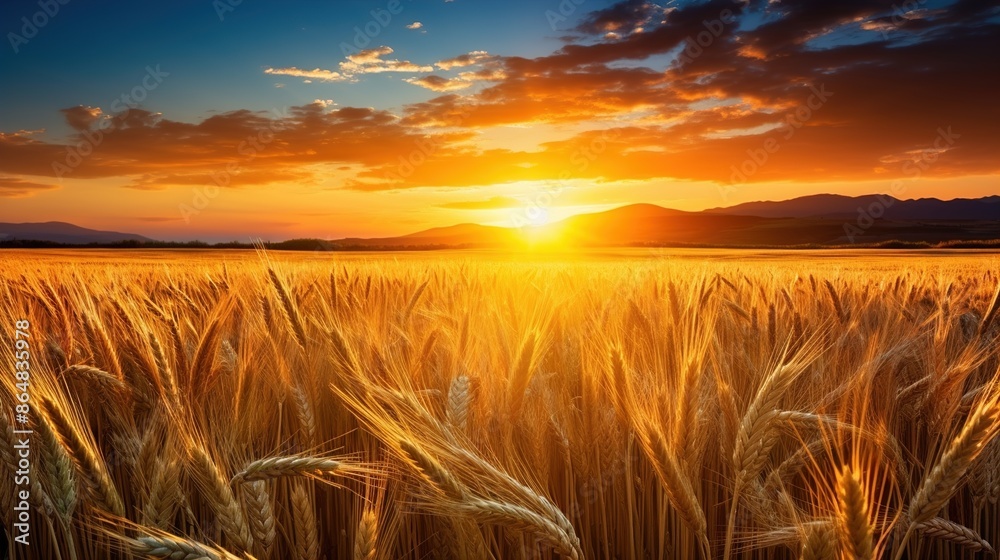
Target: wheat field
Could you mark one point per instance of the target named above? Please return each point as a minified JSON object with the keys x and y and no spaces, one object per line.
{"x":644,"y":405}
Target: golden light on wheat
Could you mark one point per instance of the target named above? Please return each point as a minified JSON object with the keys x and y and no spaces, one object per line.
{"x":459,"y":407}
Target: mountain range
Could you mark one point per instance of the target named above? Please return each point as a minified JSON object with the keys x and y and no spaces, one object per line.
{"x":845,"y":207}
{"x":821,"y":220}
{"x":824,"y":220}
{"x":62,"y":232}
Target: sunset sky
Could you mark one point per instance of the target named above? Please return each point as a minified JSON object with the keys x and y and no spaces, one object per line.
{"x":229,"y":119}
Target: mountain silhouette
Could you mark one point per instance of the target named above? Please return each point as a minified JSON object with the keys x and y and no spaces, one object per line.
{"x":819,"y":220}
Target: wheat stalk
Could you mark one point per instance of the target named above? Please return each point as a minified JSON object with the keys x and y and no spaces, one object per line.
{"x":837,"y":303}
{"x":521,"y":372}
{"x":820,"y":542}
{"x":939,"y":485}
{"x":172,"y":547}
{"x":90,"y":465}
{"x":758,"y":434}
{"x":165,"y":494}
{"x":953,"y":532}
{"x":305,"y":414}
{"x":459,"y":399}
{"x":675,"y":483}
{"x":290,"y":465}
{"x":433,"y":472}
{"x":260,"y":515}
{"x":943,"y":480}
{"x":291,"y":311}
{"x":856,"y":531}
{"x":95,"y":374}
{"x":304,"y":521}
{"x":366,"y":536}
{"x":165,"y":372}
{"x":60,"y":472}
{"x":523,"y":519}
{"x":221,"y":499}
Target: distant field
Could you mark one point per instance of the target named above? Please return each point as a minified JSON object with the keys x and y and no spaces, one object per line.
{"x":629,"y":404}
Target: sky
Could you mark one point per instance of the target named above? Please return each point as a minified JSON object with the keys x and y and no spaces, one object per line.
{"x":235,"y":119}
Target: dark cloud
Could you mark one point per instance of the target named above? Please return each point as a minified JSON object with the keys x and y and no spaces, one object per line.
{"x":624,"y":18}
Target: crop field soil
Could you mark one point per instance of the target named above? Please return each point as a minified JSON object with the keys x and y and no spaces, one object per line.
{"x":630,"y":405}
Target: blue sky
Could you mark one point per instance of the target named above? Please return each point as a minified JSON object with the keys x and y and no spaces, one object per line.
{"x":92,"y":52}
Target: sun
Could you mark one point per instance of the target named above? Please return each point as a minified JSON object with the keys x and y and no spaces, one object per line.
{"x":543,"y":236}
{"x":540,"y":218}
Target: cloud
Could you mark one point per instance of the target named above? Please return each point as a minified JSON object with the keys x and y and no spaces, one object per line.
{"x":15,"y":187}
{"x":490,"y":71}
{"x":314,"y":74}
{"x":152,"y":152}
{"x":370,"y":56}
{"x":460,"y":61}
{"x":159,"y":219}
{"x":438,"y":83}
{"x":495,"y":203}
{"x":621,"y":19}
{"x":415,"y":25}
{"x":80,"y":117}
{"x":370,"y":61}
{"x":643,"y":106}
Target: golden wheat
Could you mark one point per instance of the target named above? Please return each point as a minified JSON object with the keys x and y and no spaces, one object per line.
{"x":584,"y":407}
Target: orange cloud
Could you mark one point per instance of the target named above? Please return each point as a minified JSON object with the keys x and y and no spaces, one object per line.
{"x":694,"y":96}
{"x":463,"y":60}
{"x":437,"y":83}
{"x":495,"y":203}
{"x":15,"y":187}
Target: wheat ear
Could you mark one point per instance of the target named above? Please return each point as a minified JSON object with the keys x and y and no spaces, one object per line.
{"x":60,"y":472}
{"x":459,"y":398}
{"x":366,"y":536}
{"x":523,"y":519}
{"x":939,"y":485}
{"x":856,"y":532}
{"x":220,"y":497}
{"x":953,"y":532}
{"x":165,"y":495}
{"x":261,"y":516}
{"x":90,"y":465}
{"x":820,"y":543}
{"x":290,"y":465}
{"x":176,"y":548}
{"x":304,"y":520}
{"x":675,"y":483}
{"x":433,"y":472}
{"x":289,"y":307}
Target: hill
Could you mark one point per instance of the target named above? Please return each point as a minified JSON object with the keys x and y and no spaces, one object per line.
{"x":846,"y":207}
{"x":62,"y":232}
